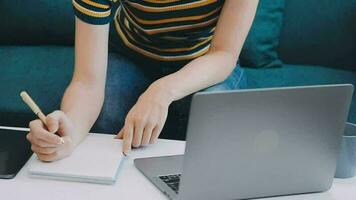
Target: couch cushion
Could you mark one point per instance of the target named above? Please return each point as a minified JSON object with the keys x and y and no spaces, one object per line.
{"x":299,"y":75}
{"x":319,"y":33}
{"x":36,"y":22}
{"x":260,"y":48}
{"x":42,"y":71}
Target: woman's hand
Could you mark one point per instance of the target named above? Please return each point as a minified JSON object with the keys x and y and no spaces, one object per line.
{"x":145,"y":121}
{"x":46,"y":142}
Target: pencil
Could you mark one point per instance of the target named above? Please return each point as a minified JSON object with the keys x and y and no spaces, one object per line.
{"x":34,"y":107}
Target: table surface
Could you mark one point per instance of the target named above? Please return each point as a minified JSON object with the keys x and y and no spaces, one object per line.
{"x":131,"y":184}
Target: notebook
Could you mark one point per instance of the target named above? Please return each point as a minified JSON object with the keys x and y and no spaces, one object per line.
{"x":96,"y":160}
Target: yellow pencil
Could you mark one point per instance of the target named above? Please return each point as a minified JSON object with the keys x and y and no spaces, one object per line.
{"x":34,"y":107}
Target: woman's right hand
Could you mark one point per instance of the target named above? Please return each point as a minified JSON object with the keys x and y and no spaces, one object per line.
{"x":55,"y":141}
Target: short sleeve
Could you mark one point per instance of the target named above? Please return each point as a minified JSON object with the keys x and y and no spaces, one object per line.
{"x":93,"y":11}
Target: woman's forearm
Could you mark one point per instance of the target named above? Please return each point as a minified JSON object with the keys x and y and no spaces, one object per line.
{"x":82,"y":104}
{"x":201,"y":73}
{"x":84,"y":96}
{"x":233,"y":26}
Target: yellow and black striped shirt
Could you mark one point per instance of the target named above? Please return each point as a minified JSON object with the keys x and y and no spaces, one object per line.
{"x":164,"y":30}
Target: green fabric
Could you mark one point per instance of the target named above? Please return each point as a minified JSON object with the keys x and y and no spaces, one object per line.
{"x":42,"y":71}
{"x":319,"y":32}
{"x":260,"y":48}
{"x":39,"y":22}
{"x":300,"y":75}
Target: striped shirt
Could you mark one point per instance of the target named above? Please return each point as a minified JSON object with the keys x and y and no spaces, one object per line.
{"x":163,"y":30}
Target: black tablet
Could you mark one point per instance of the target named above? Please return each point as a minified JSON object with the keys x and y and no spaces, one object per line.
{"x":15,"y":150}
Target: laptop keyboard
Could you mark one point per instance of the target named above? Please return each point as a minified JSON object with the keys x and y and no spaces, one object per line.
{"x":172,"y":181}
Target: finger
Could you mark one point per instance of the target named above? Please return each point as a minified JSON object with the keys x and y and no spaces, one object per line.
{"x":48,"y":157}
{"x":39,"y":142}
{"x":120,"y":135}
{"x":43,"y":150}
{"x":128,"y":132}
{"x":38,"y":131}
{"x":147,"y":134}
{"x":137,"y":136}
{"x":155,"y":133}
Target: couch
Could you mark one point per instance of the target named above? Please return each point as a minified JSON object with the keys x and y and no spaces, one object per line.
{"x":317,"y":46}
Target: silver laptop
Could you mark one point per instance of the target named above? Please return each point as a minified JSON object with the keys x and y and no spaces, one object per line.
{"x":256,"y":143}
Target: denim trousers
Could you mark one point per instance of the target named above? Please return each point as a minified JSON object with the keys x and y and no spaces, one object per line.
{"x":128,"y":78}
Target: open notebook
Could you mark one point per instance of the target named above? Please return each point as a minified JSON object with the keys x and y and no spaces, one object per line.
{"x":96,"y":160}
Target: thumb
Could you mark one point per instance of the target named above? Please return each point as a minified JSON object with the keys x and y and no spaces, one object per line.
{"x":52,"y":123}
{"x":54,"y":120}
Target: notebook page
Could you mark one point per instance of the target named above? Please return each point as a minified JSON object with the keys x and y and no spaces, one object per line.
{"x":97,"y":157}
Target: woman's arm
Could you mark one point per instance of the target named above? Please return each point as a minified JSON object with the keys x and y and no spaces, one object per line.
{"x":146,"y":119}
{"x":83,"y":98}
{"x":214,"y":67}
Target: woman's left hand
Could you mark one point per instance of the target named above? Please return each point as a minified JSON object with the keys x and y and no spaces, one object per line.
{"x":144,"y":122}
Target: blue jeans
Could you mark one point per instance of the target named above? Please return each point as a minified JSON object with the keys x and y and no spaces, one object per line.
{"x":128,"y":79}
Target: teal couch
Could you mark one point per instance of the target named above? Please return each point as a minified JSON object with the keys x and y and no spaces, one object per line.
{"x":317,"y":45}
{"x":36,"y":51}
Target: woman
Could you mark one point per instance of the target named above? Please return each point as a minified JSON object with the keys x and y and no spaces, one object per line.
{"x":182,"y":46}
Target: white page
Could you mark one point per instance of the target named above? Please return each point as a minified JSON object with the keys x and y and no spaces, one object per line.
{"x":96,"y":159}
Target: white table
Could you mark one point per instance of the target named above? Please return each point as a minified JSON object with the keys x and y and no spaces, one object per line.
{"x":132,"y":184}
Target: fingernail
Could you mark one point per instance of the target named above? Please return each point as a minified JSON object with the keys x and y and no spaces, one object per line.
{"x":61,"y":141}
{"x":125,"y":153}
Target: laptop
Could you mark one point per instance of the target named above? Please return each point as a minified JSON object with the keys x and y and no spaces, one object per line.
{"x":256,"y":143}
